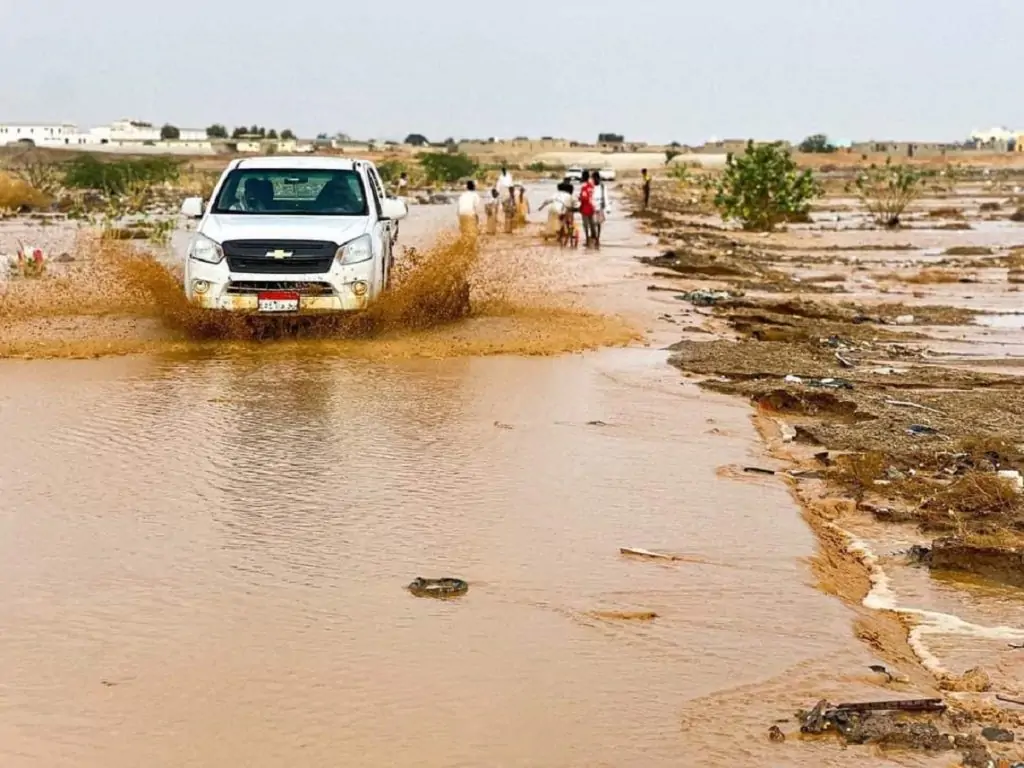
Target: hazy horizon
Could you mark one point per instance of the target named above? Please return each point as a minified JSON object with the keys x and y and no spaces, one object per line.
{"x":659,"y":73}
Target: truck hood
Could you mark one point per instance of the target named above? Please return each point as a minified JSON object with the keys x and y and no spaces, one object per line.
{"x":335,"y":229}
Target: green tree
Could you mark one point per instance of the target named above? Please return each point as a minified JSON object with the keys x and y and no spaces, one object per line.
{"x":763,"y":188}
{"x":239,"y":132}
{"x":416,"y":140}
{"x":216,"y":131}
{"x":887,"y":190}
{"x":271,"y":134}
{"x":169,"y":132}
{"x":816,"y":144}
{"x":288,"y":134}
{"x":390,"y":170}
{"x":447,"y":167}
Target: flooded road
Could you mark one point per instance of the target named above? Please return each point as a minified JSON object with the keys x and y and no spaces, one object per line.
{"x":202,"y":561}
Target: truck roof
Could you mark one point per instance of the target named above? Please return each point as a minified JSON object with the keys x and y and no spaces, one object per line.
{"x":303,"y":163}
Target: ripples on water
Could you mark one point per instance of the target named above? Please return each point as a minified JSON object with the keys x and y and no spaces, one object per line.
{"x":225,"y":541}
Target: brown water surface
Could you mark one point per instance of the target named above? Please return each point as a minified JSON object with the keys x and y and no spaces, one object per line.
{"x":203,"y":554}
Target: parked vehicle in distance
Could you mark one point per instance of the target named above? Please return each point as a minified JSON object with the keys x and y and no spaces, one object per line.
{"x":574,"y":172}
{"x":608,"y":174}
{"x":288,"y":235}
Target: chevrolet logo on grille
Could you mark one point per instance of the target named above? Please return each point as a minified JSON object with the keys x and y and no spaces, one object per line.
{"x":279,"y":254}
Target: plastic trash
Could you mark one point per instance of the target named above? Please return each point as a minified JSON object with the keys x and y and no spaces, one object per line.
{"x":830,"y":383}
{"x":920,"y":430}
{"x":706,"y":298}
{"x":905,"y":320}
{"x":1014,"y":477}
{"x":446,"y":587}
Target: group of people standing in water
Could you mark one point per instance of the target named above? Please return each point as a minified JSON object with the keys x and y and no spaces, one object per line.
{"x":591,"y":201}
{"x":507,"y":205}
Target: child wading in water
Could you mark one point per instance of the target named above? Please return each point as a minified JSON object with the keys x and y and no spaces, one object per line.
{"x":491,"y":208}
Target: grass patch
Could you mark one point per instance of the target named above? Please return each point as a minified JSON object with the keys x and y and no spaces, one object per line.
{"x":968,"y":250}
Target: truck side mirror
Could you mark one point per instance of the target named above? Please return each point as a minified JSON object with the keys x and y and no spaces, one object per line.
{"x":193,"y":207}
{"x":393,"y":208}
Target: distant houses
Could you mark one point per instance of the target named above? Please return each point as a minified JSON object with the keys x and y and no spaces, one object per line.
{"x":129,"y":135}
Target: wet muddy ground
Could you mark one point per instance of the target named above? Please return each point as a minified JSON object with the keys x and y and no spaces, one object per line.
{"x":884,"y":368}
{"x":205,"y":544}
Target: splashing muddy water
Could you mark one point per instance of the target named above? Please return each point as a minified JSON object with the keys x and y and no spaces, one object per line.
{"x":203,"y":554}
{"x":447,"y":300}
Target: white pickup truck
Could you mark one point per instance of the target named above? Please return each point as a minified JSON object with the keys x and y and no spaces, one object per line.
{"x":289,"y":235}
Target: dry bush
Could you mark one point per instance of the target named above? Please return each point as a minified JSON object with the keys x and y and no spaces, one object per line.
{"x":1017,"y":215}
{"x":989,"y":207}
{"x":858,"y":472}
{"x":988,"y":448}
{"x":18,"y":195}
{"x":968,"y":250}
{"x":975,"y":494}
{"x":933,"y":276}
{"x":946,"y":213}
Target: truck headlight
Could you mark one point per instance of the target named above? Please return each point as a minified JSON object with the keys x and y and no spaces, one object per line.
{"x":205,"y":249}
{"x":355,"y":251}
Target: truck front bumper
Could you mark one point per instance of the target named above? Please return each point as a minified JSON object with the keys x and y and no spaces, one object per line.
{"x":344,"y":289}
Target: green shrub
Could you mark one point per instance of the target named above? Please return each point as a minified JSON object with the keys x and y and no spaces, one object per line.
{"x":764,"y":188}
{"x":116,"y":177}
{"x":390,"y":170}
{"x":447,"y":167}
{"x":887,"y":190}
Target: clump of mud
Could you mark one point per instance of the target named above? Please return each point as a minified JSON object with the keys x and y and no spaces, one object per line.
{"x":445,"y":300}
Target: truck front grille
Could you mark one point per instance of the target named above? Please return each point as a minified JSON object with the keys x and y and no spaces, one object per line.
{"x":252,"y":287}
{"x":279,"y":257}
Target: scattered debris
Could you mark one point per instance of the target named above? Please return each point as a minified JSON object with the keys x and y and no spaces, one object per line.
{"x":638,"y":552}
{"x":446,"y":587}
{"x":882,"y":671}
{"x":625,"y":615}
{"x":775,"y":734}
{"x":1001,"y":735}
{"x":596,"y":423}
{"x":907,"y":404}
{"x":759,"y":471}
{"x":1013,"y":476}
{"x":824,"y":716}
{"x":806,"y":474}
{"x":830,"y":383}
{"x":904,"y":320}
{"x":1007,"y":699}
{"x":920,"y":430}
{"x":707,"y":298}
{"x":502,"y":425}
{"x":788,"y":431}
{"x":844,"y":362}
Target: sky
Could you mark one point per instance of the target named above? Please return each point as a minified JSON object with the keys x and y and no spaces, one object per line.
{"x":652,"y":70}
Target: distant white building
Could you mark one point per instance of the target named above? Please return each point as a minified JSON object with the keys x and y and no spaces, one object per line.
{"x":37,"y":133}
{"x":993,"y":135}
{"x":120,"y":133}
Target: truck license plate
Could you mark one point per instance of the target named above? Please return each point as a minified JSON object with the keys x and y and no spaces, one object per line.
{"x":277,"y":301}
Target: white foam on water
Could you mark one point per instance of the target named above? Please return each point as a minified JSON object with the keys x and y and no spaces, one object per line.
{"x":882,"y":598}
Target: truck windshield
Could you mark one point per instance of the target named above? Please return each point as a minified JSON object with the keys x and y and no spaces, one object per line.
{"x":283,"y":191}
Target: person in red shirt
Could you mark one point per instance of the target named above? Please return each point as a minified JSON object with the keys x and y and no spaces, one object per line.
{"x":587,"y":210}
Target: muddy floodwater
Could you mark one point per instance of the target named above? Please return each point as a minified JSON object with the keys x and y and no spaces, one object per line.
{"x":202,"y":561}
